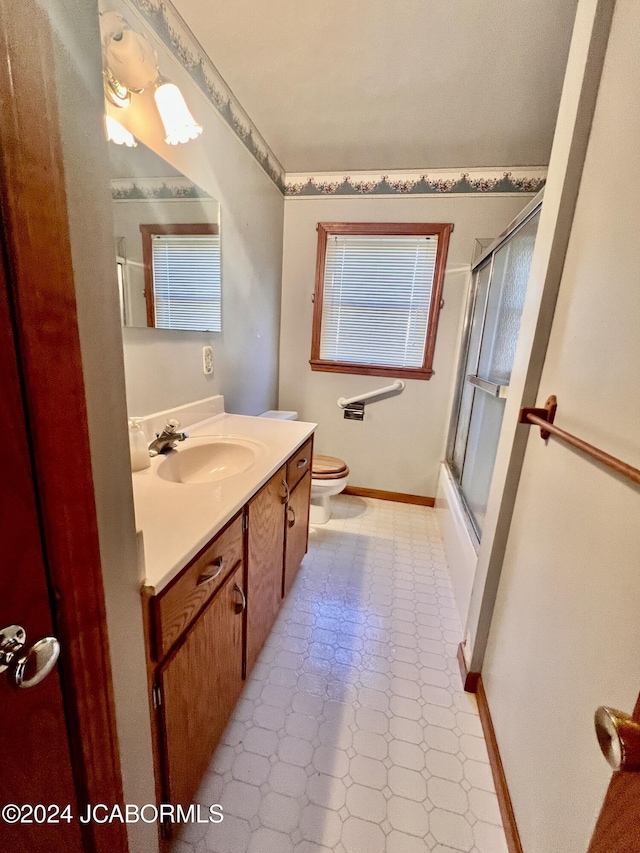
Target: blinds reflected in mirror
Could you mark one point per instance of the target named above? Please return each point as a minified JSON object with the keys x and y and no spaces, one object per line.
{"x":186,"y":281}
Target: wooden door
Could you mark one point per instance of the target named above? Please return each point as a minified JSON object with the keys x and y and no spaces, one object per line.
{"x":38,"y":285}
{"x":265,"y":553}
{"x":297,"y":531}
{"x":36,"y":761}
{"x":199,"y":687}
{"x":618,"y":826}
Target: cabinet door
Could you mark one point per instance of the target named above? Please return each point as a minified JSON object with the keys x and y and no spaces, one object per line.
{"x":297,"y":530}
{"x":265,"y":554}
{"x":200,"y":684}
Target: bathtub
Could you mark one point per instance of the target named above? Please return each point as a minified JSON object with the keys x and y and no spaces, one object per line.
{"x":460,"y":544}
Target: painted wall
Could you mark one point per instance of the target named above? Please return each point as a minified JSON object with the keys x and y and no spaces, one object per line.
{"x":400,"y":443}
{"x":565,"y":636}
{"x":164,"y":368}
{"x":84,"y":152}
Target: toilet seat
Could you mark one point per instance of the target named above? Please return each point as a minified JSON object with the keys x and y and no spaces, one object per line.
{"x":328,"y":468}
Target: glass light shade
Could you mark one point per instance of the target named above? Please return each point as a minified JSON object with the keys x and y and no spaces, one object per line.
{"x":128,"y":56}
{"x":179,"y":124}
{"x":117,"y":133}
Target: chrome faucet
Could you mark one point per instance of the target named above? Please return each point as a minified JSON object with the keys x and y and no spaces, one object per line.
{"x":167,"y":439}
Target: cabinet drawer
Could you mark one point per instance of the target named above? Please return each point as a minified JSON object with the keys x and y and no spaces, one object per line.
{"x":299,"y":464}
{"x":176,"y":608}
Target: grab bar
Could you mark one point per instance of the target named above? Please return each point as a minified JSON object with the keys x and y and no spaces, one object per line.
{"x":544,"y":418}
{"x":398,"y":385}
{"x":490,"y":387}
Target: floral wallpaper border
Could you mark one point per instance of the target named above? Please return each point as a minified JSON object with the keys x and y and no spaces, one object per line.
{"x":151,"y":189}
{"x":490,"y":181}
{"x":173,"y":32}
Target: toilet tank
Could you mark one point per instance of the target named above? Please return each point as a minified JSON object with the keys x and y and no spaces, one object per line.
{"x":280,"y":415}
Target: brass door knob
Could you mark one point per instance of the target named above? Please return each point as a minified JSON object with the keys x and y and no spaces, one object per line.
{"x":619,"y":738}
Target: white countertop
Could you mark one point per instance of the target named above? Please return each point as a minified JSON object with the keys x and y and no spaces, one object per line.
{"x":178,"y":519}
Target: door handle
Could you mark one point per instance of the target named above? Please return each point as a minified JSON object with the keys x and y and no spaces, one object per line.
{"x":26,"y":666}
{"x":619,"y":738}
{"x":287,"y":492}
{"x":492,"y":388}
{"x":291,"y":516}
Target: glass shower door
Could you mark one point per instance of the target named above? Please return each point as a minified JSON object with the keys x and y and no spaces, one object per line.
{"x":480,"y":292}
{"x":500,"y":286}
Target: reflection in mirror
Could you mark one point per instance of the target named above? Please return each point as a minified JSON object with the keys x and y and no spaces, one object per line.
{"x":167,"y":233}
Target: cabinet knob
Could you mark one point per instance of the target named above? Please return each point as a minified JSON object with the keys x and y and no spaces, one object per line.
{"x":302,"y":463}
{"x":291,"y":516}
{"x":287,"y":492}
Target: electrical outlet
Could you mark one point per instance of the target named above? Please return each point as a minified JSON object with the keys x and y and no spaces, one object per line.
{"x":207,"y":360}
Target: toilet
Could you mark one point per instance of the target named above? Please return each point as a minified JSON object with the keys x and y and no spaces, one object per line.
{"x":329,"y":476}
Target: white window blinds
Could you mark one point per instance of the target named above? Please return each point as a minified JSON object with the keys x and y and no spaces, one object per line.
{"x":186,"y":281}
{"x":376,"y":298}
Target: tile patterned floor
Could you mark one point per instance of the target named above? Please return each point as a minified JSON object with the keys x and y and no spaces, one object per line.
{"x":353,"y":733}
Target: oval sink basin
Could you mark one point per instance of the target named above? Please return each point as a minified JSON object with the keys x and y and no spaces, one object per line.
{"x":207,"y":459}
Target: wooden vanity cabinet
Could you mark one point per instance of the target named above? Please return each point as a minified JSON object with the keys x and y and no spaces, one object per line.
{"x":265,"y":554}
{"x":205,"y":630}
{"x":278,"y":533}
{"x":297,"y":531}
{"x":199,"y":686}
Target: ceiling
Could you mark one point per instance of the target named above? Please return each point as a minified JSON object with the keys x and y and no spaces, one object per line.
{"x":343,"y":85}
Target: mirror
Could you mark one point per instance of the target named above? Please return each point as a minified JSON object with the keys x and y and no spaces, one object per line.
{"x":167,"y":235}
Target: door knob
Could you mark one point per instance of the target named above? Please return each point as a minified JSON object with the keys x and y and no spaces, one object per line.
{"x":619,"y":738}
{"x":26,"y":667}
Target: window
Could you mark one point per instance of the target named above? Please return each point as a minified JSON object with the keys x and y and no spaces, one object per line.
{"x":182,"y":276}
{"x":377,"y":297}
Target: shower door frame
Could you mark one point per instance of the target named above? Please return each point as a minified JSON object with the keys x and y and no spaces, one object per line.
{"x":486,"y":258}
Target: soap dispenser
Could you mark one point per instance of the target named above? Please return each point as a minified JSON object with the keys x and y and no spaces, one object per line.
{"x":138,"y":446}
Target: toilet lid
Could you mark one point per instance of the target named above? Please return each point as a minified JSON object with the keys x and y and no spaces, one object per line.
{"x":328,"y":468}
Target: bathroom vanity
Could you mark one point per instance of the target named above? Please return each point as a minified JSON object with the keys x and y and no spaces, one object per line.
{"x":220,"y":555}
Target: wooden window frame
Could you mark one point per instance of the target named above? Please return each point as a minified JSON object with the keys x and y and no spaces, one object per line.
{"x":390,"y":229}
{"x":148,"y":231}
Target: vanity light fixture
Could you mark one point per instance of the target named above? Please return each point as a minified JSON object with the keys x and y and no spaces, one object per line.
{"x":117,"y":133}
{"x":130,"y":65}
{"x":179,"y":124}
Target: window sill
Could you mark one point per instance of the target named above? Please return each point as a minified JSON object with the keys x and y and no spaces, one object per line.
{"x":370,"y":369}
